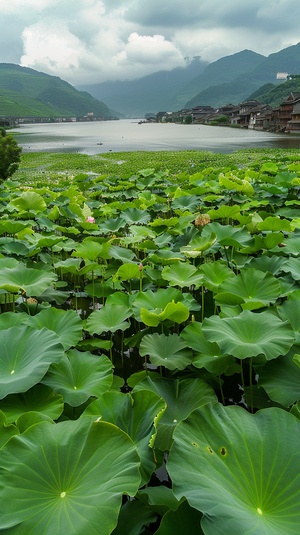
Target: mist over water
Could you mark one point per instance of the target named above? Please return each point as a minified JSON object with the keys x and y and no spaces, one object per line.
{"x":128,"y":135}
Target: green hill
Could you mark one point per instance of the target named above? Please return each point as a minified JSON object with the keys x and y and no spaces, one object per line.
{"x":25,"y":92}
{"x":247,"y":78}
{"x":274,"y":94}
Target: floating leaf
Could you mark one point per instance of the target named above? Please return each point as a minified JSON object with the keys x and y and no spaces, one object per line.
{"x":250,"y":335}
{"x":31,"y":281}
{"x":168,"y":351}
{"x":79,"y":376}
{"x":109,"y":318}
{"x":26,"y":356}
{"x":66,"y":478}
{"x":251,"y":463}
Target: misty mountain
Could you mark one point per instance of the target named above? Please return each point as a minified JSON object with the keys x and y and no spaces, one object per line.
{"x":248,"y":82}
{"x":160,"y":91}
{"x":230,"y":79}
{"x":25,"y":92}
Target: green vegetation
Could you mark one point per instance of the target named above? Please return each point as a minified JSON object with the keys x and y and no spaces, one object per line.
{"x":274,"y":94}
{"x":9,"y":155}
{"x":149,"y":326}
{"x":25,"y":92}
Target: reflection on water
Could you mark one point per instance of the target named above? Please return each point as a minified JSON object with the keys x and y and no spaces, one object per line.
{"x":129,"y":135}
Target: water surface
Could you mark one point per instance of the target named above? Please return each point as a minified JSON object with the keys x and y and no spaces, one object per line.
{"x":128,"y":135}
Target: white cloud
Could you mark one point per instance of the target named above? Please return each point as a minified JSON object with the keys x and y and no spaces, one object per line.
{"x":148,"y":49}
{"x":51,"y":46}
{"x":89,"y":41}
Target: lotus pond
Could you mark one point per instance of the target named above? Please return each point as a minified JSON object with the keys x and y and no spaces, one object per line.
{"x":150,"y":344}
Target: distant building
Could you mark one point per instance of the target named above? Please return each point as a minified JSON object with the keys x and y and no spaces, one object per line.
{"x":282,"y":76}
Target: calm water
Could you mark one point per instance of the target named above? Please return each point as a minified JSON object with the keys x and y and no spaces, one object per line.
{"x":128,"y":135}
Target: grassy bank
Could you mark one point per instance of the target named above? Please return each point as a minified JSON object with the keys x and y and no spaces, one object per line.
{"x":41,"y":165}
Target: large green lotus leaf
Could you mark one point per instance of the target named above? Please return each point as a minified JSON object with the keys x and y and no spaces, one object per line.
{"x":160,"y":498}
{"x":182,"y":274}
{"x":186,"y":202}
{"x":168,"y":351}
{"x":251,"y":288}
{"x":184,"y":520}
{"x":70,"y":265}
{"x":289,"y":310}
{"x":275,"y":223}
{"x":225,"y":212}
{"x":30,"y":201}
{"x":165,"y":257}
{"x":13,"y":227}
{"x":214,"y":274}
{"x":133,"y":518}
{"x":267,"y":263}
{"x":227,"y":234}
{"x":158,"y":299}
{"x":66,"y":478}
{"x":109,"y":318}
{"x":39,"y":398}
{"x":127,"y":272}
{"x":233,"y":182}
{"x":134,"y":215}
{"x":137,"y":414}
{"x":32,"y":281}
{"x":6,"y":430}
{"x":176,"y":312}
{"x":16,"y":248}
{"x":292,"y":266}
{"x":89,"y":250}
{"x":182,"y":396}
{"x":11,"y":319}
{"x":65,"y":323}
{"x":26,"y":355}
{"x":281,"y":380}
{"x":198,"y":245}
{"x":112,"y":225}
{"x":241,"y":470}
{"x":120,"y":253}
{"x":250,"y":334}
{"x":80,"y":375}
{"x":208,"y":354}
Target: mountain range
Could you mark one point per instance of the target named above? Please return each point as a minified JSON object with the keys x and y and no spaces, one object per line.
{"x":231,"y":79}
{"x":25,"y":92}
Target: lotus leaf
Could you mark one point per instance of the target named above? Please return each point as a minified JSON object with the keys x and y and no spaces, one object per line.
{"x":26,"y":356}
{"x":6,"y":430}
{"x":184,"y":520}
{"x":80,"y":375}
{"x":182,"y":274}
{"x":65,"y":323}
{"x":39,"y":398}
{"x":30,"y":201}
{"x":251,"y":288}
{"x":251,"y":463}
{"x":250,"y":334}
{"x":31,"y":281}
{"x":137,"y":414}
{"x":281,"y":380}
{"x":175,"y":312}
{"x":182,"y":396}
{"x":109,"y":318}
{"x":168,"y":351}
{"x":66,"y":478}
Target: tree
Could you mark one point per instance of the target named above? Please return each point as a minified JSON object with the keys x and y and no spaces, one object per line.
{"x":10,"y":155}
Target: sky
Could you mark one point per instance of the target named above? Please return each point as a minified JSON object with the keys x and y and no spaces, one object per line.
{"x":92,"y":41}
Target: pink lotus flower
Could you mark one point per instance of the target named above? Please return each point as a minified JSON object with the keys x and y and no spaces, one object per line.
{"x":90,"y":219}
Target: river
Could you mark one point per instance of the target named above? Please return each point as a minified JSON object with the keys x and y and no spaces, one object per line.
{"x":128,"y":135}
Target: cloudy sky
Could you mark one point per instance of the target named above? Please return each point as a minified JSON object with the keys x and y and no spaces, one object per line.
{"x":90,"y":41}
